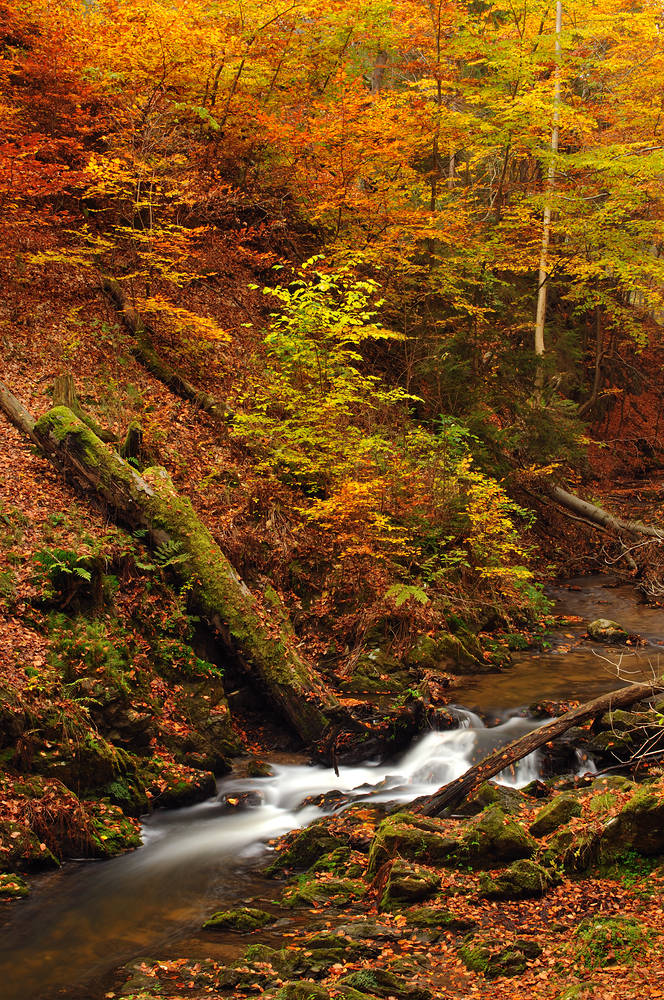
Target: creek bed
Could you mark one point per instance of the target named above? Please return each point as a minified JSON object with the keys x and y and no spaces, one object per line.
{"x":82,"y":922}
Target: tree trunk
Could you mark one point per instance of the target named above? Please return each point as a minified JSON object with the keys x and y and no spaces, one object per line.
{"x":590,"y":512}
{"x":546,"y":218}
{"x":64,"y":394}
{"x":145,"y":351}
{"x":259,"y":635}
{"x":452,"y":794}
{"x":16,"y":412}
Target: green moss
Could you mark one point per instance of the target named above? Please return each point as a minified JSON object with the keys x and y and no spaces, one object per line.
{"x":414,"y":838}
{"x":316,"y":891}
{"x":555,"y":814}
{"x":308,"y":846}
{"x":242,"y":920}
{"x":302,"y":990}
{"x":12,"y":886}
{"x":603,"y":941}
{"x":522,"y":880}
{"x":495,"y":837}
{"x":493,"y":960}
{"x":407,"y":884}
{"x":112,"y":832}
{"x":383,"y":983}
{"x":434,"y":918}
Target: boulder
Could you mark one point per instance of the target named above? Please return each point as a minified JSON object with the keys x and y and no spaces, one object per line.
{"x":414,"y":838}
{"x":242,"y":920}
{"x":482,"y":954}
{"x":306,"y":847}
{"x":408,"y":883}
{"x":555,"y":814}
{"x":490,"y":793}
{"x":495,"y":837}
{"x":639,"y":826}
{"x":605,"y":630}
{"x":436,"y":918}
{"x":12,"y":886}
{"x":382,"y":983}
{"x":522,"y":880}
{"x":329,"y":891}
{"x":303,"y":989}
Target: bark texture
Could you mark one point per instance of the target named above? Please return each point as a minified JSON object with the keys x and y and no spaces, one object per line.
{"x":16,"y":412}
{"x":261,"y":637}
{"x":452,"y":794}
{"x":590,"y":512}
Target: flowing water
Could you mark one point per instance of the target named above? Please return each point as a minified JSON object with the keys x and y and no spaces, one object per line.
{"x":83,"y":921}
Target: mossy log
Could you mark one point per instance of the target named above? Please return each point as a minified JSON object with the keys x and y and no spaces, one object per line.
{"x":145,"y":352}
{"x":452,"y":794}
{"x":260,"y":636}
{"x":64,"y":394}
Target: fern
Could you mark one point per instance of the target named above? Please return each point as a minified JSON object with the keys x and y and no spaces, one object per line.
{"x":167,"y":554}
{"x":402,"y":592}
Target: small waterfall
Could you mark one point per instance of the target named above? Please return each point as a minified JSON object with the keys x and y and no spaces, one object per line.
{"x":81,"y":923}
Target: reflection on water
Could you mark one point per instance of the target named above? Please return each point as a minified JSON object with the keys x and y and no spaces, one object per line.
{"x":88,"y":918}
{"x":575,"y":668}
{"x":85,"y":920}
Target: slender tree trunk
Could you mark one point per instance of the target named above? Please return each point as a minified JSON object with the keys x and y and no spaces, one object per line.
{"x":546,"y":221}
{"x":452,"y":794}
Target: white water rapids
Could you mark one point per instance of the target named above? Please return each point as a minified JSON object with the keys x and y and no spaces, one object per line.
{"x":85,"y":920}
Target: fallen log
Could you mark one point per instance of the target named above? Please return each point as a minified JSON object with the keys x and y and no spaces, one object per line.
{"x":591,"y":512}
{"x":259,"y":635}
{"x":452,"y":794}
{"x":16,"y":412}
{"x":145,"y":351}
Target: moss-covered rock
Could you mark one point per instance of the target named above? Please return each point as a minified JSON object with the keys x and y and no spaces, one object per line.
{"x":436,"y":918}
{"x":21,"y":849}
{"x":377,"y":672}
{"x":172,"y":785}
{"x":413,"y":837}
{"x":305,"y":848}
{"x":339,"y":947}
{"x":111,"y":831}
{"x":408,"y":883}
{"x":522,"y":880}
{"x":490,"y":793}
{"x":382,"y":983}
{"x":12,"y":886}
{"x":605,"y":630}
{"x":639,"y":826}
{"x":481,"y":954}
{"x":457,"y":654}
{"x":242,"y":920}
{"x":555,"y":814}
{"x":329,"y":891}
{"x":337,"y":861}
{"x":304,"y":989}
{"x":572,"y":850}
{"x":495,"y":837}
{"x":259,"y":769}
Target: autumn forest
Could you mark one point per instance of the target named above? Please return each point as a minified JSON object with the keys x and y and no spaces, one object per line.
{"x":331,"y":467}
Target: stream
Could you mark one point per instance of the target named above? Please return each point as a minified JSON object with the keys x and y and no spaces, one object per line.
{"x":81,"y":922}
